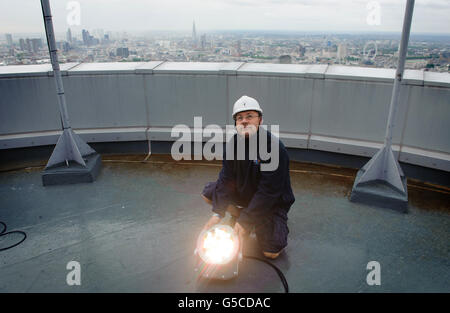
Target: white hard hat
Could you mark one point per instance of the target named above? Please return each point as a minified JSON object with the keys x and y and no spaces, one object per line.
{"x":246,"y":103}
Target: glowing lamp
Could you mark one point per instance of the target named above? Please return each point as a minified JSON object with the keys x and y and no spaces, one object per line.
{"x":218,"y":252}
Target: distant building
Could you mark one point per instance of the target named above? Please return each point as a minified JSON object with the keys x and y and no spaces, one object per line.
{"x":9,"y":40}
{"x":22,"y":44}
{"x":36,"y":44}
{"x":28,"y":44}
{"x":341,"y":52}
{"x":238,"y":48}
{"x":194,"y":35}
{"x":285,"y":59}
{"x":88,"y":40}
{"x":301,"y":51}
{"x":85,"y":36}
{"x":203,"y":41}
{"x":69,"y":36}
{"x":64,"y":46}
{"x":122,"y":52}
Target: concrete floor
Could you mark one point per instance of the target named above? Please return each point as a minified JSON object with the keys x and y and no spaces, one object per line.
{"x":134,"y":230}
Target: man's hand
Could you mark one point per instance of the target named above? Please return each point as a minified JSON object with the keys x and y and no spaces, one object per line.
{"x":212,"y":221}
{"x":240,"y":231}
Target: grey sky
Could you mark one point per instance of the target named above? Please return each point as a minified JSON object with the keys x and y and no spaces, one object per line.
{"x":430,"y":16}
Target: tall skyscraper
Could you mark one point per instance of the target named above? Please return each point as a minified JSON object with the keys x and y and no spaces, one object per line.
{"x":69,"y":36}
{"x":85,"y":36}
{"x":9,"y":40}
{"x":22,"y":44}
{"x":194,"y":35}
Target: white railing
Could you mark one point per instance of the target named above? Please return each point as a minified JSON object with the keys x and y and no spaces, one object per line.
{"x":332,"y":108}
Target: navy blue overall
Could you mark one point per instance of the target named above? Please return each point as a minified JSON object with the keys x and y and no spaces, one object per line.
{"x":266,"y":196}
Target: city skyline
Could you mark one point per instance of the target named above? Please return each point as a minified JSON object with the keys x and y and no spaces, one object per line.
{"x":99,"y":45}
{"x":84,"y":37}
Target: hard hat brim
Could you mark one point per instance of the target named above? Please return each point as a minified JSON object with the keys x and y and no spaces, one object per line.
{"x":245,"y":110}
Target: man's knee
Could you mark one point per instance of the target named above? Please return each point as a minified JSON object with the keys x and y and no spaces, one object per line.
{"x":273,"y":234}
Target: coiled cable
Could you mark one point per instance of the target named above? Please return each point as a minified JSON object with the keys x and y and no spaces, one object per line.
{"x":4,"y":233}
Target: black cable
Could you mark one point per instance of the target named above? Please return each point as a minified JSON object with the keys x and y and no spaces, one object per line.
{"x":4,"y":233}
{"x":279,"y":272}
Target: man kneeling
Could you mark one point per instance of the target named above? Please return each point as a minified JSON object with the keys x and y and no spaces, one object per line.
{"x":254,"y":197}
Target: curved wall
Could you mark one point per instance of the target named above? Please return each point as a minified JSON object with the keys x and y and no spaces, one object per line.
{"x":333,"y":108}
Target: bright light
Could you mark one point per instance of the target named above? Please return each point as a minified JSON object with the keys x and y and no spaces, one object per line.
{"x":219,"y":245}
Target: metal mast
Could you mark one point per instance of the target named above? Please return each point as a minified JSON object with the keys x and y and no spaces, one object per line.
{"x":384,"y":167}
{"x":70,"y":147}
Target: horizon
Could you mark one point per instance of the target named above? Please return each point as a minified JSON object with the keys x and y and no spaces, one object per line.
{"x":275,"y":31}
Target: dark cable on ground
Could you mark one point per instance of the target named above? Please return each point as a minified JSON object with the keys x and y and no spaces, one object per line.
{"x":4,"y":233}
{"x":279,"y":272}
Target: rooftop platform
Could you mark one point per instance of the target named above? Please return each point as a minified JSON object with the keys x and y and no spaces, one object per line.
{"x":134,"y":230}
{"x":135,"y":227}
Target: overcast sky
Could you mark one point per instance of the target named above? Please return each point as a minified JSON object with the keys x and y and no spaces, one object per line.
{"x":23,"y":16}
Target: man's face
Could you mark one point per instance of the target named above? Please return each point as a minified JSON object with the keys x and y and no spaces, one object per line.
{"x":247,"y":123}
